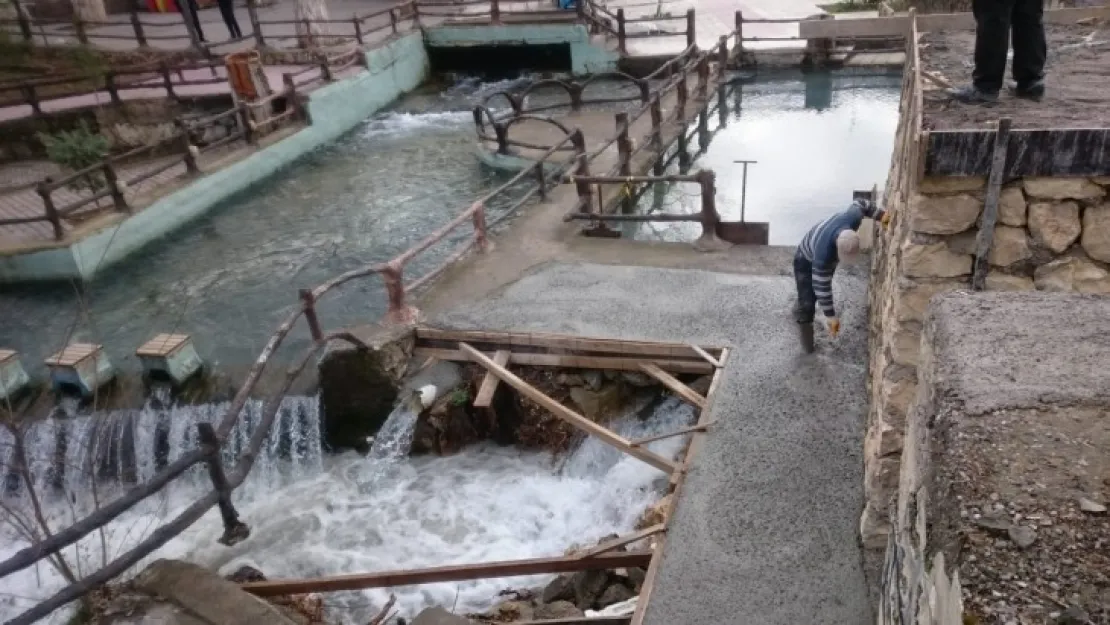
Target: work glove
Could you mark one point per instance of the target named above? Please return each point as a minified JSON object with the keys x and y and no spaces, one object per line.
{"x":885,"y":219}
{"x":834,"y":326}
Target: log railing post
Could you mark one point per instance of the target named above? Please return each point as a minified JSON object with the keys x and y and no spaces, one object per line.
{"x":582,"y":168}
{"x":481,"y":240}
{"x":709,"y":216}
{"x":691,"y":28}
{"x":308,"y":301}
{"x":188,"y":156}
{"x":393,"y":21}
{"x":656,"y":123}
{"x":575,"y":96}
{"x":248,"y":124}
{"x":722,"y":54}
{"x":739,"y":44}
{"x":621,"y":33}
{"x":398,"y":312}
{"x":683,"y":95}
{"x":111,"y":88}
{"x":495,"y":11}
{"x":541,"y":180}
{"x":580,"y":10}
{"x":137,"y":27}
{"x":79,"y":30}
{"x":291,"y":99}
{"x":24,"y":21}
{"x":119,"y":201}
{"x":51,"y":211}
{"x":703,"y":77}
{"x":325,"y":69}
{"x":256,"y":25}
{"x":645,"y":91}
{"x":624,"y":145}
{"x":167,"y":81}
{"x":358,"y":29}
{"x":501,"y":131}
{"x":234,"y":530}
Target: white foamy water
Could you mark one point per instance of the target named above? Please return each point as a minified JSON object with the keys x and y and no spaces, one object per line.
{"x":316,"y":515}
{"x":404,"y":123}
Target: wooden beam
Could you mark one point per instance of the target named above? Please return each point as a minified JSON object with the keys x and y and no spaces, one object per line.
{"x":610,"y":545}
{"x":450,"y":573}
{"x":700,"y":427}
{"x":608,"y":437}
{"x":560,"y":341}
{"x":580,"y":620}
{"x":489,"y":383}
{"x":579,"y":362}
{"x":685,"y":392}
{"x":898,"y":25}
{"x":706,"y":355}
{"x":985,"y":237}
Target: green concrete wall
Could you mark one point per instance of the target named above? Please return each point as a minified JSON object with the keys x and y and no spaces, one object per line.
{"x":394,"y":69}
{"x":585,"y":57}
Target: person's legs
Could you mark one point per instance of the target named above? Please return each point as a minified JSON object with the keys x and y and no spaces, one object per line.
{"x":227,"y":11}
{"x":1030,"y":47}
{"x":992,"y":37}
{"x":194,"y":10}
{"x":806,"y":306}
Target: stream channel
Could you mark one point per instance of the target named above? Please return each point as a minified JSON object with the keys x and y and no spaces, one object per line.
{"x":228,"y":278}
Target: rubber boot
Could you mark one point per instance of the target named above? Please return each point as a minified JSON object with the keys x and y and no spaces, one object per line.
{"x":805,"y":333}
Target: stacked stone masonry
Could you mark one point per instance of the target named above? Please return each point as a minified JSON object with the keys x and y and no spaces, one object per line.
{"x":1052,"y":234}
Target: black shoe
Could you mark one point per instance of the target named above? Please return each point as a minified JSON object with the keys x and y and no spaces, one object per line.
{"x":1032,"y":91}
{"x":973,"y":95}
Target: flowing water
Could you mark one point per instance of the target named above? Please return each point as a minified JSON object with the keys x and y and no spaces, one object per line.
{"x":312,"y":514}
{"x":816,"y":137}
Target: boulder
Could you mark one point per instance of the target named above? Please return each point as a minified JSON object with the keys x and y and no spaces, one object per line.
{"x":1062,"y":188}
{"x":510,"y":611}
{"x":615,"y":593}
{"x":997,"y":281}
{"x":588,"y":586}
{"x":1055,"y":225}
{"x":206,"y":595}
{"x":634,"y":578}
{"x":1009,"y":246}
{"x":1096,"y":232}
{"x":655,"y":513}
{"x":559,"y":589}
{"x":556,"y":610}
{"x":933,"y":260}
{"x":913,"y":297}
{"x":438,"y":616}
{"x":1011,"y":207}
{"x":944,"y":214}
{"x":598,"y":404}
{"x":1072,"y":274}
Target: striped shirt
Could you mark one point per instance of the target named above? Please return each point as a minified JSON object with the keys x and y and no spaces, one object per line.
{"x":818,"y":246}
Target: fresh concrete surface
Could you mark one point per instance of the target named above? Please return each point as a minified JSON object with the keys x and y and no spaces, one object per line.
{"x":766,"y":526}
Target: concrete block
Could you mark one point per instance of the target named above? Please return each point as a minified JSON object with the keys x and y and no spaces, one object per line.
{"x":82,"y":366}
{"x":170,"y":355}
{"x":13,"y":378}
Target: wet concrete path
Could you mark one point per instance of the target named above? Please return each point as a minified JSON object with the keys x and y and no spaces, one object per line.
{"x":766,"y":525}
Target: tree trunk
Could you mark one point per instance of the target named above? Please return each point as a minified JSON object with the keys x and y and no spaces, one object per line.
{"x":310,"y":34}
{"x":90,"y":10}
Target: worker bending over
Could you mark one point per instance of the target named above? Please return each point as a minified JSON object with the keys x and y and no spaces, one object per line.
{"x":817,"y":256}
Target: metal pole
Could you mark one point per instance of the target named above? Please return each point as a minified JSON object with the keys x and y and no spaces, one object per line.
{"x":744,"y":187}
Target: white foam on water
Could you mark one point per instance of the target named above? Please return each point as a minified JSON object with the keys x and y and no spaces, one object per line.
{"x":316,"y":515}
{"x":402,"y":123}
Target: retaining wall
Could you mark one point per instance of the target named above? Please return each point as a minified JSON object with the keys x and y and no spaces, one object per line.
{"x":586,"y":58}
{"x":394,"y":68}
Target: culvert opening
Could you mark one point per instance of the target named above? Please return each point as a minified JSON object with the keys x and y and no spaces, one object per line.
{"x":501,"y":61}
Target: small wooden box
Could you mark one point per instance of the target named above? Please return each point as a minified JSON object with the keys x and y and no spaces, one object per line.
{"x":13,"y":378}
{"x":83,"y":366}
{"x":170,"y":355}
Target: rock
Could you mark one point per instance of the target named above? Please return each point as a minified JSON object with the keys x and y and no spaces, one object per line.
{"x":1091,"y":507}
{"x":594,"y":380}
{"x":637,"y":379}
{"x":1010,"y":245}
{"x":1055,"y":226}
{"x":701,"y":385}
{"x":1062,"y":188}
{"x":570,"y":379}
{"x":913,"y":297}
{"x":245,"y":574}
{"x":1072,"y":274}
{"x":636,"y":577}
{"x":557,"y":609}
{"x":933,"y":260}
{"x":614,"y":594}
{"x":438,"y":616}
{"x":1074,"y":615}
{"x":944,"y":214}
{"x":655,"y":513}
{"x":588,"y":586}
{"x":559,"y":589}
{"x":1022,"y":536}
{"x":1011,"y":207}
{"x":1096,"y":232}
{"x":1004,"y":282}
{"x":205,"y":594}
{"x":509,"y":611}
{"x":951,"y":184}
{"x":596,"y":405}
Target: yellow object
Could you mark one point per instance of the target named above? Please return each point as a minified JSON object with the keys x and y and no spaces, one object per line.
{"x":834,"y":326}
{"x":885,"y":218}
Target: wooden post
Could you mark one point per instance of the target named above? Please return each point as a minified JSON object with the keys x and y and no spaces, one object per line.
{"x":51,"y":212}
{"x":484,"y":397}
{"x":703,"y":77}
{"x":248,"y":123}
{"x":709,"y":216}
{"x":578,"y":140}
{"x":722,"y":104}
{"x":624,"y":159}
{"x":79,"y":29}
{"x":501,"y":131}
{"x":541,"y":179}
{"x":481,"y":241}
{"x":137,"y":26}
{"x":691,"y":28}
{"x":985,"y":237}
{"x":291,"y":99}
{"x":118,"y":199}
{"x":606,"y":436}
{"x":393,"y":20}
{"x":24,"y":21}
{"x":325,"y":69}
{"x":621,"y":34}
{"x":358,"y":29}
{"x":398,"y":312}
{"x":110,"y":87}
{"x":308,"y":302}
{"x":234,"y":530}
{"x":722,"y":54}
{"x":575,"y":96}
{"x":495,"y":11}
{"x":683,"y":95}
{"x":188,"y":156}
{"x":32,"y":98}
{"x":256,"y":26}
{"x":645,"y":90}
{"x":580,"y":10}
{"x":167,"y":80}
{"x":739,"y":45}
{"x":656,"y":123}
{"x":671,"y":382}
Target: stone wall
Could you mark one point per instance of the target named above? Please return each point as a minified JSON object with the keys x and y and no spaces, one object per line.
{"x":1001,"y":514}
{"x":1052,"y":234}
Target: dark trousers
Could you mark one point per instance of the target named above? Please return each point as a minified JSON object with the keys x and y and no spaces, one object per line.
{"x":227,"y":10}
{"x":995,"y":20}
{"x":806,"y":306}
{"x":194,"y":14}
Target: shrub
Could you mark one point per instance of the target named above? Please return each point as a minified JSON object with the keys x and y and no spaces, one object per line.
{"x":75,"y":150}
